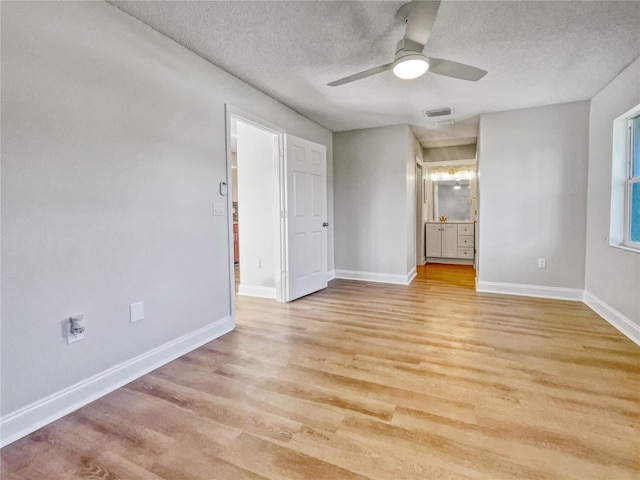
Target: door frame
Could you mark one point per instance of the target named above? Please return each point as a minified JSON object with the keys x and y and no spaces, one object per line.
{"x":232,"y":112}
{"x":420,"y":231}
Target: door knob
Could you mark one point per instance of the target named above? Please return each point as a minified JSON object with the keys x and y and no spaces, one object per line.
{"x":325,"y":224}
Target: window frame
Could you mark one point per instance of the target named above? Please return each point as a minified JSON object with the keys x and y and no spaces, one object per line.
{"x":622,"y":182}
{"x":630,"y":181}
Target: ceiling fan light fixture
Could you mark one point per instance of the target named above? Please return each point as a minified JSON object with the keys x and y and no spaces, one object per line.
{"x":410,"y":66}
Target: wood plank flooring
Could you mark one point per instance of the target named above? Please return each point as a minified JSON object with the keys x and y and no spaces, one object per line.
{"x":369,"y":381}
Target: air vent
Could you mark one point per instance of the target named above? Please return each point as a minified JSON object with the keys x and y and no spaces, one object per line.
{"x":439,"y":112}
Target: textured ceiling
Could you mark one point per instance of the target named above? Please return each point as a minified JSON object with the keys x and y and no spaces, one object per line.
{"x":537,"y":53}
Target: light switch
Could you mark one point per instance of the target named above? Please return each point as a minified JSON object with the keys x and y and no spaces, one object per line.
{"x":136,"y":312}
{"x":218,"y":208}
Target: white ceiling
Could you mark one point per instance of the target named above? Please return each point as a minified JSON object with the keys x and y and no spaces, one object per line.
{"x":537,"y":53}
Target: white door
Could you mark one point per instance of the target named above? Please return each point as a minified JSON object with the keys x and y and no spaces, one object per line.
{"x":306,"y":215}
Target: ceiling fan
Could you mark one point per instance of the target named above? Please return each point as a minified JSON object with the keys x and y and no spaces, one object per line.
{"x":409,"y":61}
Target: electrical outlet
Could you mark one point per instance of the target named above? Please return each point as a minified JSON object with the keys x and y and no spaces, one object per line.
{"x":259,"y":263}
{"x":73,"y":338}
{"x":74,"y":328}
{"x":542,"y":263}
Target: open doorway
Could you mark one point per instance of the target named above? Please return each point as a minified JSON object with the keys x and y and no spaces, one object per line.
{"x":420,"y":252}
{"x":450,"y":227}
{"x":255,"y":186}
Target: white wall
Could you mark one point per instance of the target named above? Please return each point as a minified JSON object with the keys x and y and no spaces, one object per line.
{"x":612,"y":274}
{"x":534,"y":189}
{"x":371,"y":178}
{"x":113,"y":145}
{"x":258,"y":207}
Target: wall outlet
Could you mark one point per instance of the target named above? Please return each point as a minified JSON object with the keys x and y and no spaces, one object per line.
{"x":136,"y":312}
{"x":74,"y":328}
{"x":542,"y":263}
{"x":259,"y":263}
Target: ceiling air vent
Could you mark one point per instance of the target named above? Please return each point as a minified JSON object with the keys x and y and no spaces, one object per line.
{"x":439,"y":112}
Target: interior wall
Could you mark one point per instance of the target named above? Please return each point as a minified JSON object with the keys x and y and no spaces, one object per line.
{"x":370,"y":185}
{"x":258,"y":207}
{"x":612,"y":274}
{"x":534,"y":191}
{"x":113,"y":146}
{"x":445,"y":154}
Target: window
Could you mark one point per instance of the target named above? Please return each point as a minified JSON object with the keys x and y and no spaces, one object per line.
{"x":625,"y":182}
{"x":633,"y":184}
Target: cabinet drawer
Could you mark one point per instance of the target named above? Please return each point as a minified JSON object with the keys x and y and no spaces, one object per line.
{"x":466,"y":229}
{"x":465,"y":241}
{"x":464,"y":252}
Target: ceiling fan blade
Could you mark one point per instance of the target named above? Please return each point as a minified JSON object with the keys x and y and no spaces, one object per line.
{"x":420,"y":19}
{"x":358,"y":76}
{"x":455,"y":69}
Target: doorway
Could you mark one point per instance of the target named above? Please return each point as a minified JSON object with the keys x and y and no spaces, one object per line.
{"x":420,"y":194}
{"x":256,"y":208}
{"x":278,"y":227}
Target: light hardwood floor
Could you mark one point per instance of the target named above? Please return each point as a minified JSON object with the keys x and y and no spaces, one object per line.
{"x":370,"y":381}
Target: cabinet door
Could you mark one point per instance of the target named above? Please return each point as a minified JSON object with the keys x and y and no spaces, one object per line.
{"x":449,"y":241}
{"x":433,"y":240}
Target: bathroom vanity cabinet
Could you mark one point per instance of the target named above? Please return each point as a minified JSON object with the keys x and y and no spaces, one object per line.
{"x":450,"y":242}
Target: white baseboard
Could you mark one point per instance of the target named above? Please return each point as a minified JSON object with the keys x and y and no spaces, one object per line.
{"x":23,"y":421}
{"x":257,"y":291}
{"x":558,"y":293}
{"x":331,"y":274}
{"x":451,"y":261}
{"x":376,"y":277}
{"x":622,"y":323}
{"x":411,"y":275}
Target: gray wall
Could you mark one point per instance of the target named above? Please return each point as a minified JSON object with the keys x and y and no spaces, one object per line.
{"x":458,"y":152}
{"x":371,"y":170}
{"x":612,"y":274}
{"x":113,"y":144}
{"x":533,"y":187}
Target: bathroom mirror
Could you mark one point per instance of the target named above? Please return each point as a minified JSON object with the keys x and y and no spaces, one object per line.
{"x":452,"y":198}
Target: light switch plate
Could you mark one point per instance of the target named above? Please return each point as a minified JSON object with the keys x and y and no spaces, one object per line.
{"x":136,"y":312}
{"x":218,"y":208}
